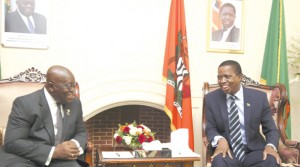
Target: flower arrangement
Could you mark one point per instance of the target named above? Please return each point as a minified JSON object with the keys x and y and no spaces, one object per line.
{"x":133,"y":135}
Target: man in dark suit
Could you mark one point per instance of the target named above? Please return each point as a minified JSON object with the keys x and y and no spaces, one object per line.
{"x":46,"y":128}
{"x":229,"y":32}
{"x":252,"y":110}
{"x":24,"y":20}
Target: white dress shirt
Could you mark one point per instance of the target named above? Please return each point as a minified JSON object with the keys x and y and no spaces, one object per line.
{"x":53,"y":109}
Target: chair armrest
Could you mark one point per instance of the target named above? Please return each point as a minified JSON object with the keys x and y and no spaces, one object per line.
{"x":207,"y":150}
{"x":88,"y":157}
{"x":295,"y":145}
{"x":292,"y":143}
{"x":89,"y":147}
{"x":1,"y":140}
{"x":289,"y":152}
{"x":2,"y":132}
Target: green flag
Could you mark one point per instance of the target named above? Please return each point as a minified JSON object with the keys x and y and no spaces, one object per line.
{"x":275,"y":66}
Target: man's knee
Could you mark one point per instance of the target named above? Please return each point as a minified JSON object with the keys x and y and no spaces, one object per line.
{"x":64,"y":163}
{"x":220,"y":161}
{"x":270,"y":161}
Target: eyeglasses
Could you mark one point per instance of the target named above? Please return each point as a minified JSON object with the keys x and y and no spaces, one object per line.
{"x":68,"y":86}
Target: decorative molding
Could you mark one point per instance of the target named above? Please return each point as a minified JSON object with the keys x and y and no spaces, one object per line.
{"x":246,"y":81}
{"x":30,"y":75}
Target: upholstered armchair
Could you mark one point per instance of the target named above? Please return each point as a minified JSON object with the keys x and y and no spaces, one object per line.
{"x":279,"y":103}
{"x":23,"y":83}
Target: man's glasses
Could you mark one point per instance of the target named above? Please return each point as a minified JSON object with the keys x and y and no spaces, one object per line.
{"x":68,"y":86}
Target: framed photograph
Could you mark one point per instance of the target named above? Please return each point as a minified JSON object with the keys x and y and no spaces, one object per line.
{"x":225,"y":26}
{"x":24,"y":23}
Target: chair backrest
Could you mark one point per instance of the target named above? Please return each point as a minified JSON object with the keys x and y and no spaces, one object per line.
{"x":279,"y":104}
{"x":21,"y":84}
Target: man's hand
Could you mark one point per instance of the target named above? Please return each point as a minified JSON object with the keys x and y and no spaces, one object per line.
{"x":222,"y":148}
{"x":66,"y":150}
{"x":270,"y":150}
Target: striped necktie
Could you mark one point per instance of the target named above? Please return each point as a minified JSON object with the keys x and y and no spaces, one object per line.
{"x":235,"y":130}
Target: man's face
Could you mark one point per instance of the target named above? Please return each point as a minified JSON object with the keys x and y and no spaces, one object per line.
{"x":64,"y":90}
{"x":228,"y":80}
{"x":227,"y":16}
{"x":26,"y":7}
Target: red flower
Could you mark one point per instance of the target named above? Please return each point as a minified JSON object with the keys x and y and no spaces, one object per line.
{"x":142,"y":138}
{"x":150,"y":139}
{"x":139,"y":126}
{"x":119,"y":139}
{"x":126,"y":130}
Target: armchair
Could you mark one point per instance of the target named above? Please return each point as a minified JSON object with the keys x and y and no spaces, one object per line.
{"x":23,"y":83}
{"x":279,"y":103}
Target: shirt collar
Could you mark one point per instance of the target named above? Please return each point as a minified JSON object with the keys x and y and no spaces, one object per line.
{"x":238,"y":94}
{"x":49,"y":98}
{"x":229,"y":29}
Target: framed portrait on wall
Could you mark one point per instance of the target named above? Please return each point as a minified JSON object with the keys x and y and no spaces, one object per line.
{"x":24,"y":23}
{"x":225,"y":26}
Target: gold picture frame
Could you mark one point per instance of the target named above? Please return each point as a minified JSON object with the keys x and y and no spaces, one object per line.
{"x":225,"y":26}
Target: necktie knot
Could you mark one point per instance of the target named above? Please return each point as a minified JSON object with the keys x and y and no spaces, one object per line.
{"x":232,"y":98}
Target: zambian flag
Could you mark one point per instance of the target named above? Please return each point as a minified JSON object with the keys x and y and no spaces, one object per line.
{"x":176,"y":73}
{"x":275,"y":67}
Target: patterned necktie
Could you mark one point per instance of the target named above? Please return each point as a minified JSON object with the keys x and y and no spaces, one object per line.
{"x":235,"y":132}
{"x":59,"y":125}
{"x":30,"y":26}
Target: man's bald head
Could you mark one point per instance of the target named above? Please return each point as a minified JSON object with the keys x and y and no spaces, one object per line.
{"x":60,"y":84}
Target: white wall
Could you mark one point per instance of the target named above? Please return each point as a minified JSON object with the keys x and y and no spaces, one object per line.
{"x":115,"y":46}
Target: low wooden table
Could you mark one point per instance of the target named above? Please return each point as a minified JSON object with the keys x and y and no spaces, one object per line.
{"x":146,"y":162}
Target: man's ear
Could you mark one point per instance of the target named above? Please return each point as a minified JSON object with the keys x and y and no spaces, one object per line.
{"x":241,"y":76}
{"x":49,"y":86}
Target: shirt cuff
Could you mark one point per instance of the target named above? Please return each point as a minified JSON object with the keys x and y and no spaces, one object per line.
{"x":50,"y":156}
{"x":78,"y":146}
{"x":270,"y":144}
{"x":214,"y":143}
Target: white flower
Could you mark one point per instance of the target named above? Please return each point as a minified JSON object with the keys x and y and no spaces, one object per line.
{"x":116,"y":135}
{"x":146,"y":129}
{"x":133,"y":131}
{"x":139,"y":130}
{"x":127,"y":139}
{"x":130,"y":126}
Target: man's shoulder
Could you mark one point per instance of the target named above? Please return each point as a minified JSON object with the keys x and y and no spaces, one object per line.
{"x":214,"y":93}
{"x":12,"y":14}
{"x":254,"y":92}
{"x":32,"y":95}
{"x":218,"y":32}
{"x":38,"y":15}
{"x":235,"y":29}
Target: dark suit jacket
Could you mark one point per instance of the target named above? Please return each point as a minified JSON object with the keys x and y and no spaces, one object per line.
{"x":256,"y":112}
{"x":232,"y":37}
{"x":30,"y":131}
{"x":15,"y":23}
